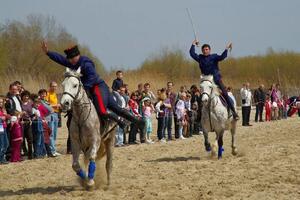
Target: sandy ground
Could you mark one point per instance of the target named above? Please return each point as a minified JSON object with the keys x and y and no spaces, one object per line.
{"x":267,"y":167}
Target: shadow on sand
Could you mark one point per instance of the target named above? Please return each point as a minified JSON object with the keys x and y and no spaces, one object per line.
{"x":38,"y":190}
{"x":176,"y":159}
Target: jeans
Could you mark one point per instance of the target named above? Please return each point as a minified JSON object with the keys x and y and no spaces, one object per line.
{"x":119,"y":136}
{"x":168,"y":125}
{"x":38,"y":135}
{"x":53,"y":124}
{"x":3,"y":145}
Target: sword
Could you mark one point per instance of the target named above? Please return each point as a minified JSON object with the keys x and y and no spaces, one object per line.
{"x":191,"y":20}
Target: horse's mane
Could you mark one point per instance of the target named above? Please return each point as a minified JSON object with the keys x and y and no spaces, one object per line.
{"x":210,"y":78}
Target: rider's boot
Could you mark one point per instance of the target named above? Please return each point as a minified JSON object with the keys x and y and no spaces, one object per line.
{"x":121,"y":122}
{"x":234,"y":114}
{"x":127,"y":115}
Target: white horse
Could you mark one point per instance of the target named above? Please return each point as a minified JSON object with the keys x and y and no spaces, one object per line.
{"x":88,"y":135}
{"x":215,"y":117}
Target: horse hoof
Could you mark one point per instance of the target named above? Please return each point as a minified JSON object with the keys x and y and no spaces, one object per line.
{"x":234,"y":151}
{"x":208,"y":148}
{"x":90,"y":184}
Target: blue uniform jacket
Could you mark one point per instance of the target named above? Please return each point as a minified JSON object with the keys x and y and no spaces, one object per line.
{"x":209,"y":64}
{"x":89,"y":75}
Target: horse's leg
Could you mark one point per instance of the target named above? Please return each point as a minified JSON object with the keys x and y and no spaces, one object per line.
{"x":220,"y":144}
{"x":76,"y":153}
{"x":206,"y":141}
{"x":92,"y":164}
{"x":233,"y":146}
{"x":215,"y":146}
{"x":109,"y":154}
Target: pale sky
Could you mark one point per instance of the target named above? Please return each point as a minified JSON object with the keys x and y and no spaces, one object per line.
{"x":123,"y":33}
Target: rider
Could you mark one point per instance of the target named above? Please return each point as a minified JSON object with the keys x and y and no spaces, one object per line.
{"x":96,"y":88}
{"x":208,"y":64}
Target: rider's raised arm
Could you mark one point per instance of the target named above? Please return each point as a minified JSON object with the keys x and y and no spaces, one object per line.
{"x":193,"y":53}
{"x":56,"y":57}
{"x":222,"y":56}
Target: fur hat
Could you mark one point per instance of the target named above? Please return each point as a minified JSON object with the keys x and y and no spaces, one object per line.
{"x":72,"y":52}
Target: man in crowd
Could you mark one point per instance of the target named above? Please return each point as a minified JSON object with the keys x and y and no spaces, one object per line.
{"x":52,"y":99}
{"x":259,"y":101}
{"x":246,"y":104}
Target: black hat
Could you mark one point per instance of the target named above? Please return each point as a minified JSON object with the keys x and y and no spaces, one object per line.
{"x":72,"y":52}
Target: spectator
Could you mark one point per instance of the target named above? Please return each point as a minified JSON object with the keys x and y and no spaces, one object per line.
{"x":180,"y":112}
{"x":26,"y":123}
{"x":120,"y":130}
{"x":37,"y":129}
{"x":134,"y":109}
{"x":16,"y":139}
{"x":148,"y":110}
{"x":169,"y":103}
{"x":3,"y":134}
{"x":230,"y":94}
{"x":160,"y":114}
{"x":285,"y":105}
{"x":51,"y":98}
{"x":118,"y":82}
{"x":193,"y":123}
{"x":196,"y":98}
{"x":13,"y":103}
{"x":148,"y":93}
{"x":268,"y":107}
{"x":259,"y":101}
{"x":246,"y":104}
{"x":48,"y":114}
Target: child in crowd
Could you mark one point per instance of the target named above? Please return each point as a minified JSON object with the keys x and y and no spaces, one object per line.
{"x":160,"y":114}
{"x":37,"y":130}
{"x":16,"y":139}
{"x":181,"y":112}
{"x":3,"y":134}
{"x":268,"y":107}
{"x":147,"y":114}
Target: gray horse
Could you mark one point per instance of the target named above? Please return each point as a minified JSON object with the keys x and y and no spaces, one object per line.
{"x":94,"y":138}
{"x":215,"y":117}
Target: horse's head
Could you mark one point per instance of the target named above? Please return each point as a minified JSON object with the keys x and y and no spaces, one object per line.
{"x":71,"y":88}
{"x":207,"y":86}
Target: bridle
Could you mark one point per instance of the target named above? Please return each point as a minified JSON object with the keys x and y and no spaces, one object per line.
{"x":76,"y":100}
{"x":208,"y":94}
{"x":79,"y":88}
{"x":209,"y":101}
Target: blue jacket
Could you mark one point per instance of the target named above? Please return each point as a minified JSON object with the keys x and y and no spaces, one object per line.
{"x":89,"y":75}
{"x":209,"y":64}
{"x":117,"y":84}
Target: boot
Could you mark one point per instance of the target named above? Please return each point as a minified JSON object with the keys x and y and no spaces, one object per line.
{"x":121,"y":123}
{"x":127,"y":115}
{"x":235,"y":115}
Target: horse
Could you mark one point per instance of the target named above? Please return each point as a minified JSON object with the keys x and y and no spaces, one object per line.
{"x":215,"y":117}
{"x":93,"y":137}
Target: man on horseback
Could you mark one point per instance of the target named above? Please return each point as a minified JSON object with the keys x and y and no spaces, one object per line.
{"x":208,"y":64}
{"x":95,"y":87}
